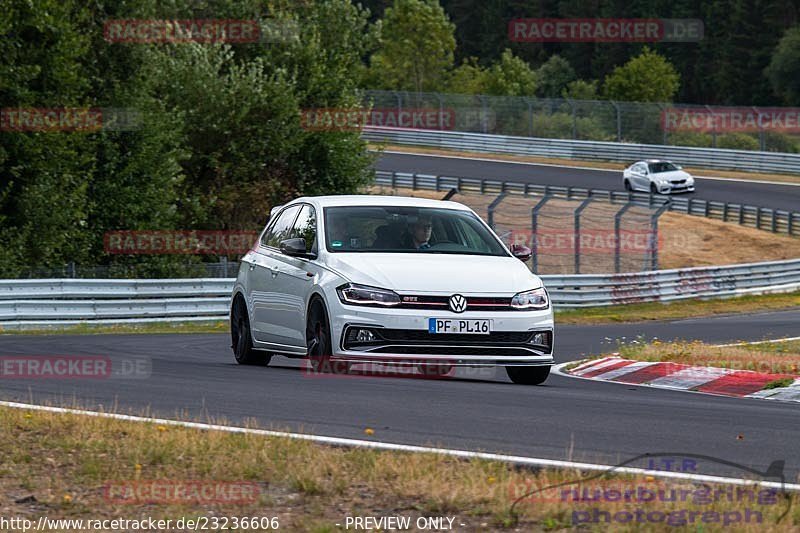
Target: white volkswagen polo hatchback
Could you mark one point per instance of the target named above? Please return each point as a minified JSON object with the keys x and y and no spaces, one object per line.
{"x":377,"y":279}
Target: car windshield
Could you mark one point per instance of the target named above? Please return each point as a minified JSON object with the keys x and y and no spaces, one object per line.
{"x":396,"y":229}
{"x":662,"y":166}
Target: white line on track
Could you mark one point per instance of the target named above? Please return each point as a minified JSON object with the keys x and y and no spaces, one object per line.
{"x":359,"y":443}
{"x":532,"y":164}
{"x":757,"y":342}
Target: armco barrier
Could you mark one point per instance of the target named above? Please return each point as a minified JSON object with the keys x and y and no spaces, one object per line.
{"x":715,"y":158}
{"x":25,"y":303}
{"x":765,"y":218}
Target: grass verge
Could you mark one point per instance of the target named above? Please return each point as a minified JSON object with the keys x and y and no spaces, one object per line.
{"x":679,"y":309}
{"x":771,"y":358}
{"x":150,"y":328}
{"x":71,"y":466}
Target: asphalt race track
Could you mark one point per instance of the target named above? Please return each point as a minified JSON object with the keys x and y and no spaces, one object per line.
{"x":195,"y":377}
{"x":785,"y":197}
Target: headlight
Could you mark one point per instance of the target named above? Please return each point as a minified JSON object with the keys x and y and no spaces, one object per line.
{"x":363,"y":295}
{"x":535,"y":299}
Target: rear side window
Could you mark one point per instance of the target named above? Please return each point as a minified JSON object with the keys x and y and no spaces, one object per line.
{"x":305,"y":227}
{"x":281,"y":229}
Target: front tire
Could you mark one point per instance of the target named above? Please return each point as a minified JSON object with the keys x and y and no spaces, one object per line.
{"x":318,"y":342}
{"x":653,"y":188}
{"x":628,"y":186}
{"x":528,"y":375}
{"x":241,"y":338}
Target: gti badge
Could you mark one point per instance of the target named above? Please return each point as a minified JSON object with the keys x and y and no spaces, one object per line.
{"x":457,"y":303}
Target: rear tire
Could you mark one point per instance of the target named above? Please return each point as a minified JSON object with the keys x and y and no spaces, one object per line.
{"x":528,"y":375}
{"x":241,"y":337}
{"x":318,"y":342}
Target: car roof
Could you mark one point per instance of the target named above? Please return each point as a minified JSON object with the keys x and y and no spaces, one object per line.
{"x":378,"y":200}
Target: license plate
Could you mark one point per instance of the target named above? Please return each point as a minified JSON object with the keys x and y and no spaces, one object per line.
{"x":471,"y":327}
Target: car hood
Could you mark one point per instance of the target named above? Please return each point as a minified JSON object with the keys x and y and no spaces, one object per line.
{"x":436,"y":273}
{"x":673,"y":175}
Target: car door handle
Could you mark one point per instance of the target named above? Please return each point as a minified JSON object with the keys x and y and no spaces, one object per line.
{"x":275,"y":271}
{"x":252,"y":266}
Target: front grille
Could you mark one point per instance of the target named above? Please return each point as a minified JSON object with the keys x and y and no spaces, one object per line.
{"x":474,"y":303}
{"x":678,"y":182}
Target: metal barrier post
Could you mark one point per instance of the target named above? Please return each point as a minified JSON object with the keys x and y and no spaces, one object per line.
{"x":492,"y":207}
{"x":617,"y":223}
{"x":577,"y":217}
{"x":654,"y":234}
{"x":534,"y":226}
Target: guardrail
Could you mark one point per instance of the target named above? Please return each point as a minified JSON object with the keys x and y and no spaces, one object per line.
{"x":715,"y":158}
{"x":30,"y":303}
{"x":764,"y":218}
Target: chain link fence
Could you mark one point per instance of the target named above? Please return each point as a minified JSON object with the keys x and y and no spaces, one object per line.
{"x":221,"y":269}
{"x":743,"y":128}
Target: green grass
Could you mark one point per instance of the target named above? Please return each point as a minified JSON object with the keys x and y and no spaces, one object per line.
{"x":217,"y":326}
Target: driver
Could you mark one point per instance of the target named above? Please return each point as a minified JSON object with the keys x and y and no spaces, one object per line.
{"x":420,"y":234}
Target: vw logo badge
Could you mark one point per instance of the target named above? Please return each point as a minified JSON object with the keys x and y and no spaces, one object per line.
{"x":458,"y":303}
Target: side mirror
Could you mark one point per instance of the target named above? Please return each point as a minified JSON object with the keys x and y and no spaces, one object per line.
{"x":521,"y":252}
{"x":679,"y":167}
{"x":294,"y":247}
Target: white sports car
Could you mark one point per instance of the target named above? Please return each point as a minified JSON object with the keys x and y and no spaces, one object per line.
{"x":355,"y":279}
{"x":657,"y":176}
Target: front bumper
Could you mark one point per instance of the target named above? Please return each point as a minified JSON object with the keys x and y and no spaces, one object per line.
{"x":671,"y":188}
{"x":523,"y":338}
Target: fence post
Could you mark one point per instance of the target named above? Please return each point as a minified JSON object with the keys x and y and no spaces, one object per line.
{"x":484,"y":119}
{"x":441,"y":112}
{"x":741,"y":214}
{"x":452,"y":192}
{"x":773,"y":222}
{"x":619,"y":120}
{"x":493,"y":206}
{"x":534,"y":228}
{"x":758,"y":218}
{"x":725,"y":212}
{"x":577,"y":217}
{"x":617,"y":223}
{"x":414,"y":181}
{"x":790,"y":229}
{"x":654,"y":234}
{"x":530,"y":117}
{"x":71,"y":269}
{"x":574,"y":119}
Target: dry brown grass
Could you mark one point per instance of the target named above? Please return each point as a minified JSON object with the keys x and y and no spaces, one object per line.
{"x":732,"y":174}
{"x":770,"y":358}
{"x":685,"y":241}
{"x":56,"y":465}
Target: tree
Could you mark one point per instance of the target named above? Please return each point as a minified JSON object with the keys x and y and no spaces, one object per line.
{"x":648,"y":77}
{"x":511,"y":76}
{"x":580,"y":90}
{"x":416,"y":46}
{"x":553,"y":76}
{"x":784,"y":69}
